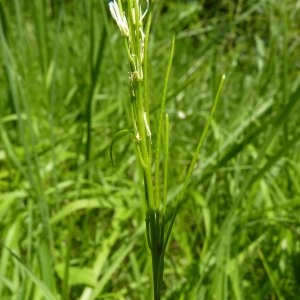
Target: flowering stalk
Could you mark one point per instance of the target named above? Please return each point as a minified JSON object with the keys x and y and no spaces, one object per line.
{"x":133,"y":24}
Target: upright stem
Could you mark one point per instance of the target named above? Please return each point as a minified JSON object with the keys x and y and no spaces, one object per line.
{"x":132,"y":27}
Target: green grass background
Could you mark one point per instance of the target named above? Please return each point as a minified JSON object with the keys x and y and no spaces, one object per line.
{"x":73,"y":227}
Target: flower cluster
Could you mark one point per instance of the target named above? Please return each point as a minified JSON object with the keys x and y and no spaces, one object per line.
{"x":133,"y":29}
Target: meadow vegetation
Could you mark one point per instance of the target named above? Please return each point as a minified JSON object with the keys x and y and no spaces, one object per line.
{"x":72,"y":225}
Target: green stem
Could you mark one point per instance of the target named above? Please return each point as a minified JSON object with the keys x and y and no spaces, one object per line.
{"x":193,"y":162}
{"x":156,"y":237}
{"x":160,"y":126}
{"x":142,"y":143}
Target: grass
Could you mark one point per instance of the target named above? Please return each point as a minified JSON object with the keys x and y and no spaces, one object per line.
{"x":72,"y":226}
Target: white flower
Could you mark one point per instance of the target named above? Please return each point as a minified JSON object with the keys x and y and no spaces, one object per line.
{"x":119,"y":17}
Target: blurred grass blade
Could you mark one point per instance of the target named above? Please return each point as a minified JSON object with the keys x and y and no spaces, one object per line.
{"x":39,"y":283}
{"x":96,"y":57}
{"x":277,"y":123}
